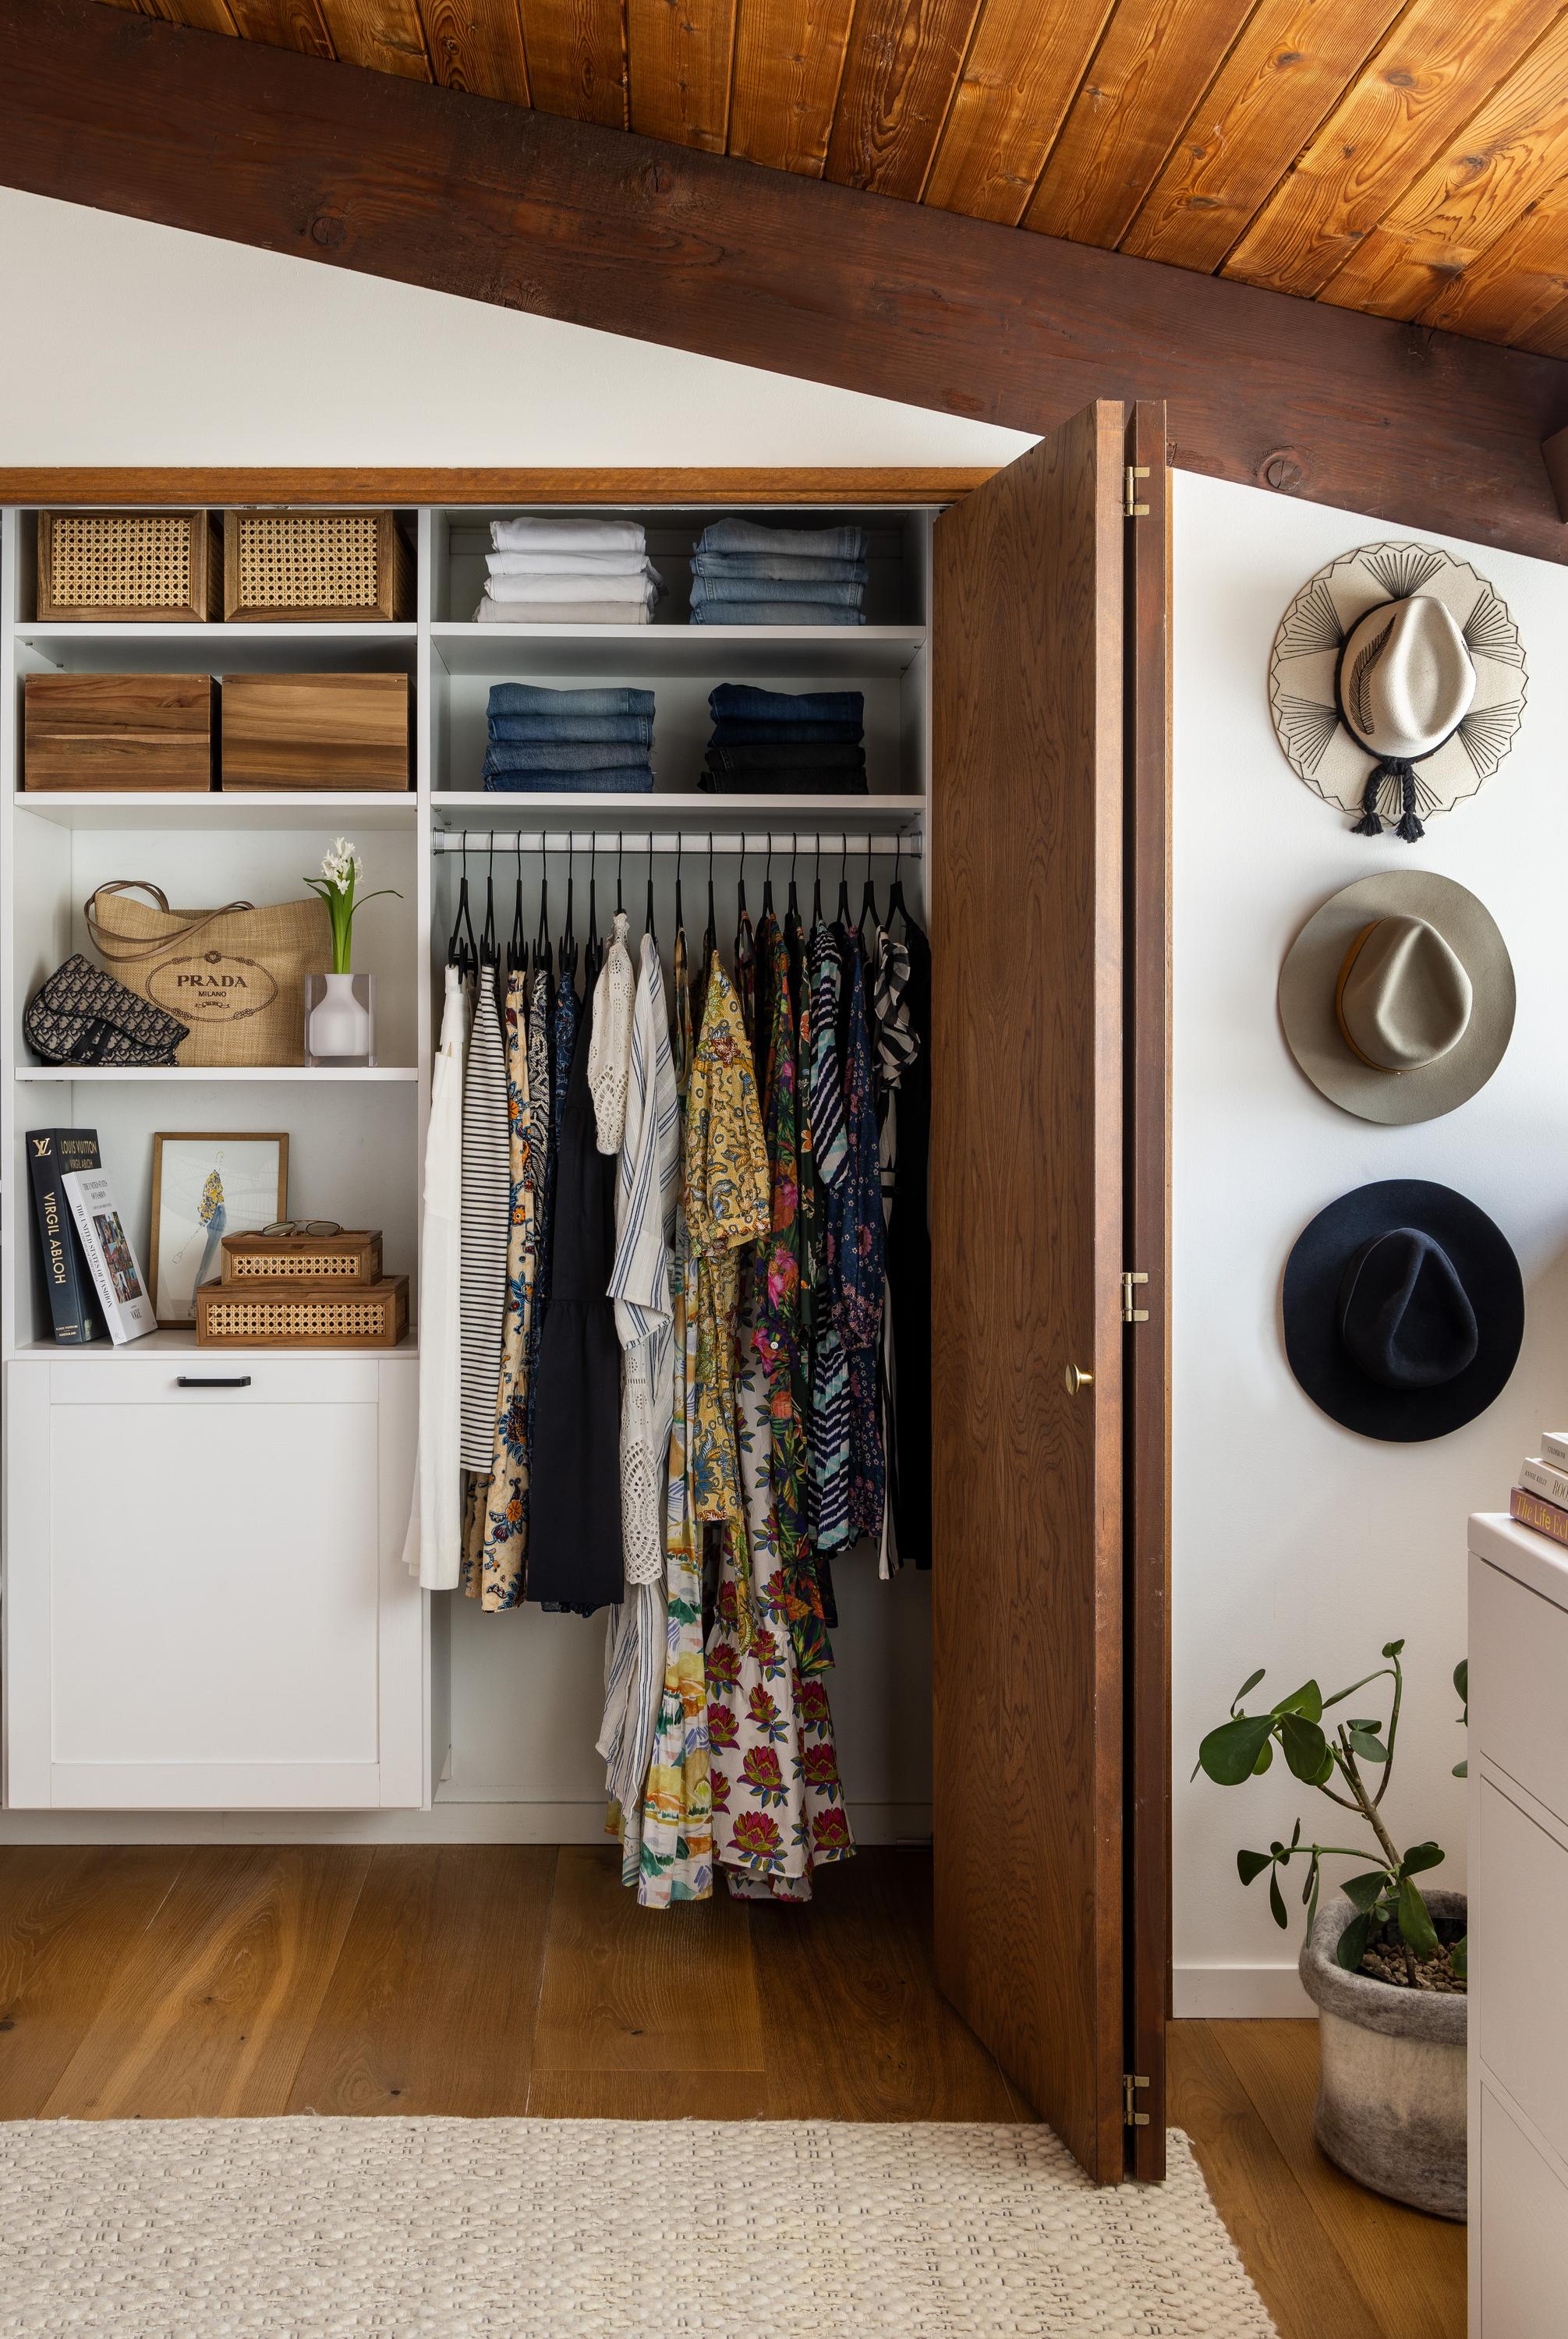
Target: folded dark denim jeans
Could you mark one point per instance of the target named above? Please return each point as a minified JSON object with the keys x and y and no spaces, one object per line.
{"x":752,"y":704}
{"x":822,"y":590}
{"x":533,"y":698}
{"x":798,"y":543}
{"x":735,"y":731}
{"x":784,"y":784}
{"x":781,"y":566}
{"x":774,"y":613}
{"x":635,"y":779}
{"x":787,"y":756}
{"x":589,"y":730}
{"x":562,"y":755}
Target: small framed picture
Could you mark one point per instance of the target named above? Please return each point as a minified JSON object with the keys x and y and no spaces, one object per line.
{"x":206,"y":1185}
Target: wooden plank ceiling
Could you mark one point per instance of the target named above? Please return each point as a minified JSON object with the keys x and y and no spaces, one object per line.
{"x":1405,"y":157}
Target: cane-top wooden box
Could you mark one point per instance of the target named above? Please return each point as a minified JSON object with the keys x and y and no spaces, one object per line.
{"x":265,"y":1315}
{"x":334,"y":565}
{"x":346,"y":1259}
{"x":165,"y":566}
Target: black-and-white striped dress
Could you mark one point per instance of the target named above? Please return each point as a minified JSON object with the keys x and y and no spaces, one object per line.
{"x":486,"y":1218}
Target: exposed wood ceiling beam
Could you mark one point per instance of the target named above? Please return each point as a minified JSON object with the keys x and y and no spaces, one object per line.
{"x":433,"y":186}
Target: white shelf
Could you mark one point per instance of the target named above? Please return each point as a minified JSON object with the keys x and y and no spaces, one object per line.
{"x":187,"y":1075}
{"x":177,"y":1343}
{"x":719,"y":653}
{"x":478,"y":810}
{"x":335,"y":809}
{"x":216,"y":648}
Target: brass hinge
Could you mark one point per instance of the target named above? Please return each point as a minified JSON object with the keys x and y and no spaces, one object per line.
{"x":1131,"y":2082}
{"x":1129,"y":1313}
{"x":1130,"y":505}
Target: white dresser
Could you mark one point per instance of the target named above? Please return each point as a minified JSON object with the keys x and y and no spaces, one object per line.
{"x":1518,"y":1648}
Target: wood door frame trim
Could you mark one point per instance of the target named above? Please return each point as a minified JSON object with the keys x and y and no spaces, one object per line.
{"x":893,"y":485}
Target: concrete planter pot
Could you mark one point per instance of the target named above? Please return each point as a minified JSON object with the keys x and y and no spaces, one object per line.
{"x":1391,"y":2098}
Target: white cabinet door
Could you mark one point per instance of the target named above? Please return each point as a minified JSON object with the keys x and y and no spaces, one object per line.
{"x":205,"y":1603}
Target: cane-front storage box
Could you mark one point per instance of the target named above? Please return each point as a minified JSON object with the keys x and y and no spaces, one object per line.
{"x":337,"y":566}
{"x":119,"y":731}
{"x":164,"y":566}
{"x":335,"y":731}
{"x":265,"y":1315}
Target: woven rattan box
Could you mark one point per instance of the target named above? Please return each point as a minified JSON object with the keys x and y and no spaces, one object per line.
{"x":302,"y":1314}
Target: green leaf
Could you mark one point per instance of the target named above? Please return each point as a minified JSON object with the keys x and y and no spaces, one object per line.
{"x":1303,"y":1746}
{"x":1392,"y":1648}
{"x":1423,"y":1855}
{"x":1296,"y":1835}
{"x":1265,"y":1757}
{"x":1462,"y":1679}
{"x":1364,"y":1890}
{"x":1229,"y":1754}
{"x":1306,"y":1701}
{"x":1462,"y":1770}
{"x":1416,"y":1920}
{"x":1374,"y":1725}
{"x":1277,"y":1901}
{"x":1313,"y":1880}
{"x":1353,"y":1941}
{"x":1250,"y":1684}
{"x":1459,"y":1958}
{"x":1251,"y":1864}
{"x":1367,"y":1744}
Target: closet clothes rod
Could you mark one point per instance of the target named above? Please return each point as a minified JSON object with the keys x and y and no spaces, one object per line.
{"x":808,"y":843}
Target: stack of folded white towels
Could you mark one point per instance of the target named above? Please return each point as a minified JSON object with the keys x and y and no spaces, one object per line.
{"x":569,"y":572}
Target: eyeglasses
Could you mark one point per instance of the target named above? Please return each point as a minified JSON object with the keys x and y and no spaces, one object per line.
{"x":303,"y":1226}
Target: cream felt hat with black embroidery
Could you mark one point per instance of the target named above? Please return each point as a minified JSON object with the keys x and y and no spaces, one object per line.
{"x":1396,"y":684}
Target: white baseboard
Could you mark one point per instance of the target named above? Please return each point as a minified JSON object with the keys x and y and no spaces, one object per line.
{"x":450,"y":1821}
{"x":1223,"y":1993}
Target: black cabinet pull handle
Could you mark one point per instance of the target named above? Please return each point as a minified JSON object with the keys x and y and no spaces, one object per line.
{"x":215,"y":1380}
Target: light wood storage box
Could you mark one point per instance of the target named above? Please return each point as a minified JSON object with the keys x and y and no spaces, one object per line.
{"x":335,"y":568}
{"x":346,"y":1258}
{"x":119,"y":731}
{"x":315,"y":731}
{"x":163,"y":568}
{"x":303,"y":1314}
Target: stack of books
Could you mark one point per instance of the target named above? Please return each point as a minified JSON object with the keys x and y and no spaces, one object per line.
{"x":1540,"y":1500}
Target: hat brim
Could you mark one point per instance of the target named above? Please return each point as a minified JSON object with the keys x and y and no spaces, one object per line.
{"x":1317,"y":1356}
{"x":1302,"y":669}
{"x":1310,"y":979}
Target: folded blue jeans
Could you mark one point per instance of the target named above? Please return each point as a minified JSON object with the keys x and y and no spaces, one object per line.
{"x":588,"y":730}
{"x":774,"y":613}
{"x":795,"y":543}
{"x":735,"y":731}
{"x":631,"y":780}
{"x":829,"y":590}
{"x":533,"y":698}
{"x":748,"y":700}
{"x":780,"y":565}
{"x":563,"y":756}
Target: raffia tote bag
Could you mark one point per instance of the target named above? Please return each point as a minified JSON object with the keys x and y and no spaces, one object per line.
{"x":235,"y":975}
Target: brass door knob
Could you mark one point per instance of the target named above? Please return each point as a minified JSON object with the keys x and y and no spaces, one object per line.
{"x":1077,"y":1380}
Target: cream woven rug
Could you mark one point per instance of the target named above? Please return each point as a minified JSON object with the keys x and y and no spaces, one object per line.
{"x":571,"y":2229}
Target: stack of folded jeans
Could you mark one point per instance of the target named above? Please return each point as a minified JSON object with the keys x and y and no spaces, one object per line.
{"x":786,"y":742}
{"x":569,"y":572}
{"x":743,"y":574}
{"x":588,"y":742}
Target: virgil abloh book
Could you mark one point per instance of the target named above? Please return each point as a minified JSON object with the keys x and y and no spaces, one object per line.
{"x":117,"y":1274}
{"x":51,"y":1153}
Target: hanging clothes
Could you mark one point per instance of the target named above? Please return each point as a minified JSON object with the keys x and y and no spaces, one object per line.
{"x":908,"y":1272}
{"x":896,"y":1046}
{"x":541,"y":1056}
{"x":649,"y":1169}
{"x":575,"y":1510}
{"x":610,"y":1048}
{"x":856,"y":1254}
{"x":486,"y":1219}
{"x":503,"y":1565}
{"x":829,"y":1488}
{"x":778,"y":1807}
{"x":431,"y":1548}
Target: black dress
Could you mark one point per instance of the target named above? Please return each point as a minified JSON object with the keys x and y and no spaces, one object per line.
{"x":575,"y":1557}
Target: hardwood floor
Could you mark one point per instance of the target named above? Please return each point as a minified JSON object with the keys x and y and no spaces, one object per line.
{"x":162,"y":1982}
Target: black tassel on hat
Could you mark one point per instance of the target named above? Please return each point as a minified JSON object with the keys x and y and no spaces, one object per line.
{"x":1408,"y":826}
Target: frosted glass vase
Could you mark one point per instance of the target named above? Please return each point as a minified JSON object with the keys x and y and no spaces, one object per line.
{"x":340,"y":1021}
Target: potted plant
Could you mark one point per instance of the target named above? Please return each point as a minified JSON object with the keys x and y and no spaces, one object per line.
{"x":1385,"y":1958}
{"x":339,"y":1007}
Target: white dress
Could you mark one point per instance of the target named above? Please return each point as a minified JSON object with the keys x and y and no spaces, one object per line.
{"x":432,"y":1548}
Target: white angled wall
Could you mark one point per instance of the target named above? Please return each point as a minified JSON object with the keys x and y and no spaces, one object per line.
{"x":1297,"y":1546}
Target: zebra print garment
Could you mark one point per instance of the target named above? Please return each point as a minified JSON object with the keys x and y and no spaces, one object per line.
{"x":486,"y":1224}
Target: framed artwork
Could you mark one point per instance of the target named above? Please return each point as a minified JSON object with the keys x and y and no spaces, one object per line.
{"x":207,"y":1184}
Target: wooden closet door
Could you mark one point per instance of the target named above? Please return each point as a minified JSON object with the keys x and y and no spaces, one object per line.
{"x":1027,"y":1195}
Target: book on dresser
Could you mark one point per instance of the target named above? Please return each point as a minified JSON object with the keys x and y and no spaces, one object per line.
{"x":117,"y":1277}
{"x":1547,"y":1480}
{"x":51,"y":1153}
{"x":1554,"y":1448}
{"x":1535,"y":1511}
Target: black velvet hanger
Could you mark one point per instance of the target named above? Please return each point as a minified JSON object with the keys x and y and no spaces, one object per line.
{"x":544,"y":957}
{"x":648,"y":906}
{"x":462,"y":951}
{"x":844,"y":911}
{"x":768,"y":879}
{"x":568,"y":952}
{"x":895,"y":903}
{"x":518,"y":946}
{"x":489,"y":949}
{"x":680,"y":909}
{"x":868,"y":899}
{"x":711,"y":931}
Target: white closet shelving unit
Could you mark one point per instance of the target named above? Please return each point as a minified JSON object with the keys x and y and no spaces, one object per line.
{"x":163,"y":1701}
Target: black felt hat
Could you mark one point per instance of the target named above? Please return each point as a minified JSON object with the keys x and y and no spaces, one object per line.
{"x":1403,"y":1310}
